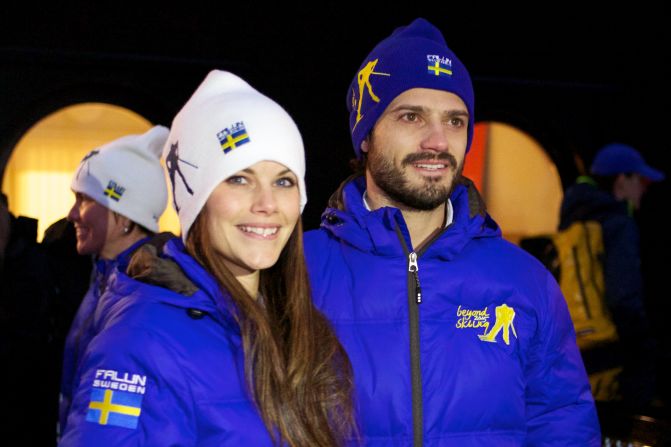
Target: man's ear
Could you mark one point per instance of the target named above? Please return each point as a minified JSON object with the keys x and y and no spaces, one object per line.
{"x":364,"y":145}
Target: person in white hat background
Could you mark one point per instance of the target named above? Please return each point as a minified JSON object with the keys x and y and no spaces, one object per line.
{"x":120,"y":193}
{"x":212,"y":338}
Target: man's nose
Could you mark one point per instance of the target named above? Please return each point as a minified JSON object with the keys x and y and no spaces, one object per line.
{"x":435,"y":138}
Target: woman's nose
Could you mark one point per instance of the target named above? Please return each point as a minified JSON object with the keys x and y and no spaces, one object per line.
{"x":264,"y":200}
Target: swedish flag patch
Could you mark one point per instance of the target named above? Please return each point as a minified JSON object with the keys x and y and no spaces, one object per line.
{"x":114,"y":191}
{"x":439,"y":65}
{"x":439,"y":68}
{"x":233,"y":137}
{"x":112,"y":407}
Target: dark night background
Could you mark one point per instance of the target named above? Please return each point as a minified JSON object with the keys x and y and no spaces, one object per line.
{"x":573,"y":78}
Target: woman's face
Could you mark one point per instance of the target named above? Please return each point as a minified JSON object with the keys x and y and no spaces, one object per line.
{"x":251,"y":215}
{"x":93,"y":224}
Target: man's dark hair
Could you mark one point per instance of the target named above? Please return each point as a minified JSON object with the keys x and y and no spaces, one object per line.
{"x":358,"y":165}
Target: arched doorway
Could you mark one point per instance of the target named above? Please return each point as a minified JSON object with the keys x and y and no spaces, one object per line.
{"x":37,"y":176}
{"x":518,"y":180}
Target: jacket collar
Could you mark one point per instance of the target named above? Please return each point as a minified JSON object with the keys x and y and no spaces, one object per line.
{"x":207,"y":297}
{"x":376,"y":231}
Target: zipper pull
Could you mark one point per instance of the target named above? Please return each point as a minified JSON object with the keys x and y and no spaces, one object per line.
{"x":414,"y":268}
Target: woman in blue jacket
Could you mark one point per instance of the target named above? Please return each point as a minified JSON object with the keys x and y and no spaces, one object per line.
{"x":120,"y":193}
{"x":213,"y":339}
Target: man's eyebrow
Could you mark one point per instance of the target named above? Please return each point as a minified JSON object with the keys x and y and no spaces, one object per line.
{"x":456,"y":113}
{"x":408,"y":107}
{"x":419,"y":109}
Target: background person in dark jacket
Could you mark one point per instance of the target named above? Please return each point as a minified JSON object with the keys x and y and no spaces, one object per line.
{"x":26,"y":334}
{"x":620,"y":177}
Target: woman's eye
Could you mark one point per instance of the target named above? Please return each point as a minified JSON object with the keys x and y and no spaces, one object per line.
{"x":410,"y":116}
{"x":286,"y":182}
{"x":236,"y":180}
{"x":84,"y":199}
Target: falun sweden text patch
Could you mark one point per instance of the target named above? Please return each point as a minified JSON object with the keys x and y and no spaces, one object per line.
{"x":116,"y":398}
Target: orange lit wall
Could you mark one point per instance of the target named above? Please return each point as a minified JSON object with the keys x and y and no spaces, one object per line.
{"x":517,"y":178}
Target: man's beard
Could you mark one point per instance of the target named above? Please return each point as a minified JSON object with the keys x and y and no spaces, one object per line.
{"x":394,"y":182}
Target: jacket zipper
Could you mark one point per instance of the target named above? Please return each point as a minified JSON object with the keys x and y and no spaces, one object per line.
{"x":414,"y":300}
{"x":413,"y":268}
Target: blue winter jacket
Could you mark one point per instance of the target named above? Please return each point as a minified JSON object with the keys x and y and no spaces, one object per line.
{"x":81,"y":330}
{"x":165,"y":368}
{"x":473,"y":348}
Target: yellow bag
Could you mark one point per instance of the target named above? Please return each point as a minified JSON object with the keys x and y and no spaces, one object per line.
{"x":580,"y":253}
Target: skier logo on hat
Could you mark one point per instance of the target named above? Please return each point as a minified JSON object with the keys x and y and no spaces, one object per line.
{"x":85,"y":159}
{"x":172,"y":164}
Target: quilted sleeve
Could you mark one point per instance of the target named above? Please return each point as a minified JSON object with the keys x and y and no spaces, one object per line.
{"x":132,"y":392}
{"x":559,"y":404}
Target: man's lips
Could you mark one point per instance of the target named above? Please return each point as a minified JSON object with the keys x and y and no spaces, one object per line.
{"x":430,"y":162}
{"x":430,"y":166}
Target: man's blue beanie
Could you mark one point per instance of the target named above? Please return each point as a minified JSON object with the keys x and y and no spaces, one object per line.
{"x":414,"y":56}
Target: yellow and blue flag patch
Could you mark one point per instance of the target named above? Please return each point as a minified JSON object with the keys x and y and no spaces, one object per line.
{"x":439,"y":68}
{"x":114,"y":191}
{"x":112,"y":407}
{"x":233,"y":137}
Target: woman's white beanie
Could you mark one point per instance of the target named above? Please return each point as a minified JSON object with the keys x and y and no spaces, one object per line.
{"x":126,"y":176}
{"x":225,"y":127}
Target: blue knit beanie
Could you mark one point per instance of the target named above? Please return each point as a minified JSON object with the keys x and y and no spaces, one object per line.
{"x":414,"y":56}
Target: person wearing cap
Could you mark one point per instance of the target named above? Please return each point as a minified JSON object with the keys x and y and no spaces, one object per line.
{"x":212,"y":338}
{"x":456,"y":336}
{"x":120,"y":193}
{"x":619,"y":177}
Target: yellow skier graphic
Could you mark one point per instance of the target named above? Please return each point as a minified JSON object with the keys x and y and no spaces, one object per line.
{"x":504,"y":320}
{"x":363,"y":79}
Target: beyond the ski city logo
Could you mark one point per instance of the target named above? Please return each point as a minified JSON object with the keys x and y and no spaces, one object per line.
{"x":479,"y":318}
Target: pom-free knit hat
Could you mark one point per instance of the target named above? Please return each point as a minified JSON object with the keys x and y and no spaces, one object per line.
{"x":616,"y":158}
{"x":225,"y":127}
{"x":126,"y":176}
{"x":414,"y":56}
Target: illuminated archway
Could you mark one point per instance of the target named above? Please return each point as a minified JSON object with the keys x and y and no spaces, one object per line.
{"x":518,"y":180}
{"x":37,"y":176}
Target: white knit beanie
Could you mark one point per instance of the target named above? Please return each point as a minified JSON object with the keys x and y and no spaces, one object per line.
{"x":126,"y":176}
{"x":225,"y":127}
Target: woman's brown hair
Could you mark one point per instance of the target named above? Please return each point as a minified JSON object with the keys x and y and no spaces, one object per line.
{"x":298,"y":374}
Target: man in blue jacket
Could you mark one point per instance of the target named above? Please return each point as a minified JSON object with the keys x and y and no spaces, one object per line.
{"x":456,"y":336}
